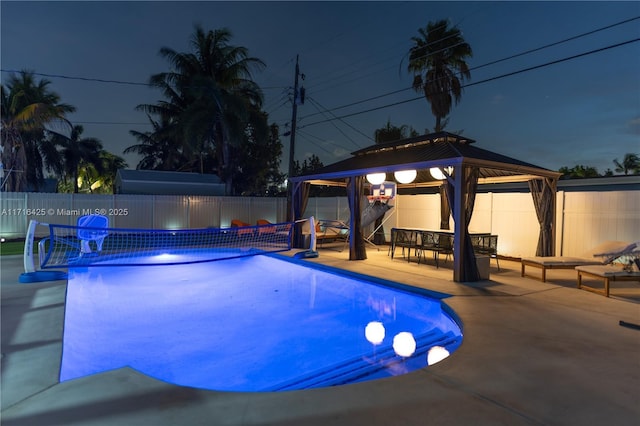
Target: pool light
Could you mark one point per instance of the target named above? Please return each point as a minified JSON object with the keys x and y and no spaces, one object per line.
{"x":165,"y":257}
{"x":404,"y":344}
{"x":436,"y":354}
{"x":374,"y":332}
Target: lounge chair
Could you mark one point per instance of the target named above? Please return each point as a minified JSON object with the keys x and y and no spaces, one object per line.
{"x":600,"y":255}
{"x":236,"y":223}
{"x":264,"y":228}
{"x":333,"y":230}
{"x":607,"y":273}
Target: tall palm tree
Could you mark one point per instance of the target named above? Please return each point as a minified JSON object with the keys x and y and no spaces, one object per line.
{"x":78,"y":152}
{"x":210,"y":93}
{"x":630,"y":163}
{"x":437,"y":61}
{"x":28,"y":106}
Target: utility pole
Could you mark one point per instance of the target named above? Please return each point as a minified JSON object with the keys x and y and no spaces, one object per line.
{"x":298,"y":96}
{"x":294,"y":114}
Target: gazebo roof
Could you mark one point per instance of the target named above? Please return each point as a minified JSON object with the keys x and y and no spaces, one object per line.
{"x":423,"y":152}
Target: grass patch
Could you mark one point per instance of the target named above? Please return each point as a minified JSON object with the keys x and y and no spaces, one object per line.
{"x":11,"y":247}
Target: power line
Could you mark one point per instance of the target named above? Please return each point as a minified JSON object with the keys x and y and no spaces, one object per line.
{"x":488,"y":63}
{"x":307,"y":135}
{"x":101,"y":80}
{"x":112,"y":123}
{"x":419,"y":97}
{"x":329,"y":78}
{"x":484,"y":81}
{"x":337,"y":128}
{"x":526,"y":52}
{"x":317,"y":104}
{"x":67,"y":77}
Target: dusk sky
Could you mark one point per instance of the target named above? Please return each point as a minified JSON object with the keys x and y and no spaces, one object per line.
{"x":584,"y":110}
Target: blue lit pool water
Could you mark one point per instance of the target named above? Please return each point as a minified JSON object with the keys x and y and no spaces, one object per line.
{"x":257,"y":323}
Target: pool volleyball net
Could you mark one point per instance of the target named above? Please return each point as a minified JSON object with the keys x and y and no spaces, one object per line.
{"x":73,"y":246}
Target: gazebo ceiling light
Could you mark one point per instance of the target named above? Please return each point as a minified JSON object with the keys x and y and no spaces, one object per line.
{"x":405,"y":176}
{"x":376,"y":178}
{"x":436,"y":172}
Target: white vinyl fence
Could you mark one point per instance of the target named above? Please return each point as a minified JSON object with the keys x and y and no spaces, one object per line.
{"x":134,"y":211}
{"x":584,"y":219}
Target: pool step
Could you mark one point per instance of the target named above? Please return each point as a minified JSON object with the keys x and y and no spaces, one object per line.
{"x":383,"y":363}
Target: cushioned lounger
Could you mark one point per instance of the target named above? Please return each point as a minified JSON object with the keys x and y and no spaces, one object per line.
{"x":606,"y":272}
{"x":555,"y":262}
{"x":604,"y":253}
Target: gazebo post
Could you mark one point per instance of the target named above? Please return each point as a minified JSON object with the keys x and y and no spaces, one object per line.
{"x":458,"y":221}
{"x":357,"y":249}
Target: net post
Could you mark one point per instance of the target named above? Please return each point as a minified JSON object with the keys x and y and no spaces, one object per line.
{"x":312,"y":242}
{"x":29,"y":266}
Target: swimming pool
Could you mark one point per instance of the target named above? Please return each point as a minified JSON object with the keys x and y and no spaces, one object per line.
{"x":258,"y":323}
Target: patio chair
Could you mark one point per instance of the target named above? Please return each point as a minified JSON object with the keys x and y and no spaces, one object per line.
{"x":428,"y":242}
{"x":487,"y":245}
{"x":404,"y":238}
{"x":445,"y":246}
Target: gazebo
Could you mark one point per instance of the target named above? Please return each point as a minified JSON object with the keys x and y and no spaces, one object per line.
{"x":462,"y":166}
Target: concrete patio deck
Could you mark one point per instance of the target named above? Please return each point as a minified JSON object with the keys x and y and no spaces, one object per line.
{"x":533,"y":354}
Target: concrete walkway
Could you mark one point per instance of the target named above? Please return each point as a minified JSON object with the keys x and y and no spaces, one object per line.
{"x":533,"y":354}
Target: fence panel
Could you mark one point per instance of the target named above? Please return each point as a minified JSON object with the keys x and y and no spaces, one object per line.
{"x":418,"y":211}
{"x":591,"y":218}
{"x":133,"y":211}
{"x":83,"y":204}
{"x":170,"y":212}
{"x":204,"y":212}
{"x":235,"y":208}
{"x":514,"y":221}
{"x":482,"y":212}
{"x":265,"y":208}
{"x":328,"y":208}
{"x":13,"y":219}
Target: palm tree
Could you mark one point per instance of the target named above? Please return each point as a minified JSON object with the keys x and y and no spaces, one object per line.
{"x":160,"y":148}
{"x":101,"y":182}
{"x":28,"y":107}
{"x":78,"y":152}
{"x":210,"y":94}
{"x":391,"y":133}
{"x":437,"y":61}
{"x":630,"y":163}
